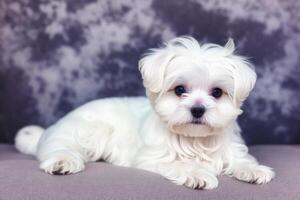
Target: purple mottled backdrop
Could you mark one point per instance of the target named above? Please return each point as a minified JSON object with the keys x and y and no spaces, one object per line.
{"x":58,"y":54}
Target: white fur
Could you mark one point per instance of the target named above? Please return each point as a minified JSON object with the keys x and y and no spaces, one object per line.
{"x":157,"y":134}
{"x":27,"y":139}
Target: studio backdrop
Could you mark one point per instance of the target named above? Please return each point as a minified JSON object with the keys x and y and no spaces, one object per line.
{"x":58,"y":54}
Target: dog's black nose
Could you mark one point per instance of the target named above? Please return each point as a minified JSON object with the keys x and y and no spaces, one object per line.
{"x":198,"y":111}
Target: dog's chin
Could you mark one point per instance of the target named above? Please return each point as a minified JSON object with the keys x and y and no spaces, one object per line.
{"x":194,"y":128}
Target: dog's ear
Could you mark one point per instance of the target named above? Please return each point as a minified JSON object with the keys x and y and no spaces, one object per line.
{"x":244,"y":78}
{"x":243,"y":74}
{"x":153,"y":66}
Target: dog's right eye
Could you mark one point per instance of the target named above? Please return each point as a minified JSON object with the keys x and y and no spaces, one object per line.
{"x":217,"y":93}
{"x":179,"y":90}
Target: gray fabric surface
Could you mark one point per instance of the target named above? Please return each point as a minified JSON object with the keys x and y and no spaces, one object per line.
{"x":20,"y":178}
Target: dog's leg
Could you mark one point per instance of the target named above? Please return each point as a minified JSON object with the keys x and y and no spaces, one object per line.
{"x":190,"y":174}
{"x":246,"y":168}
{"x":67,"y":146}
{"x":62,"y":162}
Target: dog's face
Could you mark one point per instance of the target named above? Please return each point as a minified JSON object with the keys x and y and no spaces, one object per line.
{"x":197,"y":90}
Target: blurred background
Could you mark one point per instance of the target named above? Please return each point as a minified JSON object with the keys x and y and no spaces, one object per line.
{"x":58,"y":54}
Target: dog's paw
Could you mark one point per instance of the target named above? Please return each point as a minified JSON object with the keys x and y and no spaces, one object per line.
{"x":201,"y":180}
{"x":62,"y":166}
{"x":196,"y":180}
{"x":258,"y":174}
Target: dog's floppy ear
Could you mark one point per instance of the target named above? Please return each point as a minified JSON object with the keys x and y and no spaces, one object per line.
{"x":245,"y":78}
{"x":153,"y":66}
{"x":243,"y":74}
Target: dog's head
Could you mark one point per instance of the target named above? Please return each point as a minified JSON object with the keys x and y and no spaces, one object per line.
{"x":196,"y":89}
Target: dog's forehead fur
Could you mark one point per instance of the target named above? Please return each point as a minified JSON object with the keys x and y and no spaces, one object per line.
{"x":205,"y":75}
{"x":161,"y":66}
{"x":190,"y":47}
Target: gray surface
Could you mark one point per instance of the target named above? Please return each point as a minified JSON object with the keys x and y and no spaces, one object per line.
{"x":20,"y":178}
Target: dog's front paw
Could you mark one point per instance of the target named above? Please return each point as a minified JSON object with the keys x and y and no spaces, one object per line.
{"x":200,"y":179}
{"x":62,"y":166}
{"x":258,"y":174}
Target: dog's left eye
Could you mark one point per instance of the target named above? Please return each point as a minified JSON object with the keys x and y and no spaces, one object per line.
{"x":217,"y":92}
{"x":179,"y":90}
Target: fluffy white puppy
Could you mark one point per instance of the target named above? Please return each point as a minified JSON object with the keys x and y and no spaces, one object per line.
{"x":186,"y":130}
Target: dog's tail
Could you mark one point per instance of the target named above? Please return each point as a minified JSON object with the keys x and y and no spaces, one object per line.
{"x":27,"y":139}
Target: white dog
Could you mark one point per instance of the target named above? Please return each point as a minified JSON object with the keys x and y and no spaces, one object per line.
{"x":186,"y":130}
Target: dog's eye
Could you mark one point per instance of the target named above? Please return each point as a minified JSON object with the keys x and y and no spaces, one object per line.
{"x":217,"y":92}
{"x":179,"y":90}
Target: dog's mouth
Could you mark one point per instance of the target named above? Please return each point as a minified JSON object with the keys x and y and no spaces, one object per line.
{"x":197,"y":122}
{"x":193,"y":128}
